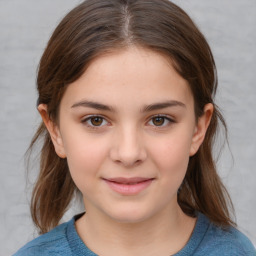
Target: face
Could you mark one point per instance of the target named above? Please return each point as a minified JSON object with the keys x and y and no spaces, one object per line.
{"x":127,"y":128}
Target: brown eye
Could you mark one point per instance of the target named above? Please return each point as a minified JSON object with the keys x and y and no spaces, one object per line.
{"x":158,"y":121}
{"x":96,"y":121}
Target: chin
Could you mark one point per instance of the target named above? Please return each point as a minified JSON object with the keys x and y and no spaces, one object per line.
{"x":130,"y":216}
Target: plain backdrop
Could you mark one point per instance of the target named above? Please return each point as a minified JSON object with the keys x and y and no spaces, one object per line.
{"x":25,"y":27}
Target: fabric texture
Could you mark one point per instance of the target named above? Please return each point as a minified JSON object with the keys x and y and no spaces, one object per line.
{"x":206,"y":239}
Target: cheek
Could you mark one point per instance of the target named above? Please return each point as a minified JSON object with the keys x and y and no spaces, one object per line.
{"x":172,"y":156}
{"x":85,"y":157}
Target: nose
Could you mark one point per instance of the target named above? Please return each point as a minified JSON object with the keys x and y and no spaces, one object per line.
{"x":128,"y":148}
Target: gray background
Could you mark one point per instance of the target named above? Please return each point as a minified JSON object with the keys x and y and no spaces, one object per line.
{"x":25,"y":26}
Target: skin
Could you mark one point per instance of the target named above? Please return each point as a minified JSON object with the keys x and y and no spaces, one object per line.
{"x":129,"y":141}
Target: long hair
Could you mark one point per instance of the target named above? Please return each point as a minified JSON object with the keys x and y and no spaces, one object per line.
{"x":98,"y":26}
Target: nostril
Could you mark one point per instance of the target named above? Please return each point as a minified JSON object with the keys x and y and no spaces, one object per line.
{"x":127,"y":160}
{"x":128,"y":163}
{"x":127,"y":148}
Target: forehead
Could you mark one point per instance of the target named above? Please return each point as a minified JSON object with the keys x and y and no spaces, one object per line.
{"x":133,"y":75}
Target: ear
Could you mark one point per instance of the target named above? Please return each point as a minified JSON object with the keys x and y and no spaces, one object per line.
{"x":53,"y":130}
{"x":201,"y":128}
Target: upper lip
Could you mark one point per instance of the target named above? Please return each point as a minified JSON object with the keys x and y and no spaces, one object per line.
{"x":123,"y":180}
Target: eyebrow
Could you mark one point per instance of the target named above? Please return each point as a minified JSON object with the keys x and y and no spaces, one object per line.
{"x":162,"y":105}
{"x":92,"y":104}
{"x":147,"y":108}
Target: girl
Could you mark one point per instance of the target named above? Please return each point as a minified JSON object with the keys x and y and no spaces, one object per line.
{"x":126,"y":93}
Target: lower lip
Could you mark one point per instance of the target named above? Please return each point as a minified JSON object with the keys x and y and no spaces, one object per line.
{"x":129,"y":189}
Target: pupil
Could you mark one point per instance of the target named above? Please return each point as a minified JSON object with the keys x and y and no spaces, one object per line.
{"x":158,"y":121}
{"x":96,"y":121}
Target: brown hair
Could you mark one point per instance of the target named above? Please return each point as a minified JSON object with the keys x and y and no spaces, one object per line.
{"x":94,"y":28}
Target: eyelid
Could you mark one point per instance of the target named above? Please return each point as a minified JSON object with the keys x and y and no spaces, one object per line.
{"x":167,"y":117}
{"x":86,"y":118}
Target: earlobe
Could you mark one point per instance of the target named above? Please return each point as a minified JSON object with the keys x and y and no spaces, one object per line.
{"x":53,"y":130}
{"x":201,"y":128}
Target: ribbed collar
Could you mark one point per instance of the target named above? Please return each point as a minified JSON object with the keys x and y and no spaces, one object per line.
{"x":79,"y":248}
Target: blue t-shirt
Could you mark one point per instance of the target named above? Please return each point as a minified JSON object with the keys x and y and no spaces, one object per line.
{"x":206,"y":239}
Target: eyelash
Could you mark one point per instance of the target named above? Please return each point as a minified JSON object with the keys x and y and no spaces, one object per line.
{"x":89,"y":119}
{"x":166,"y":119}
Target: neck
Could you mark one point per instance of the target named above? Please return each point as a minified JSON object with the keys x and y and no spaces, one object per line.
{"x":158,"y":235}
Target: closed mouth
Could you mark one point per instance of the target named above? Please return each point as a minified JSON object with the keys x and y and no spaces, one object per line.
{"x":128,"y":186}
{"x":128,"y":181}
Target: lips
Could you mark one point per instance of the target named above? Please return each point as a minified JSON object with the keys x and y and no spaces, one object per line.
{"x":128,"y":186}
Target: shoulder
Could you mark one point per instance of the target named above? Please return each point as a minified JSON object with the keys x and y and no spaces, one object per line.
{"x":228,"y":241}
{"x":51,"y":243}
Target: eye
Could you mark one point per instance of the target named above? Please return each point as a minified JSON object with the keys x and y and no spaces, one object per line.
{"x":160,"y":121}
{"x":95,"y":121}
